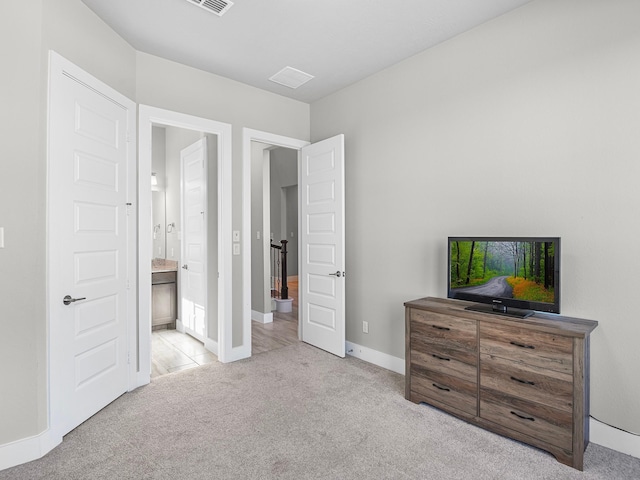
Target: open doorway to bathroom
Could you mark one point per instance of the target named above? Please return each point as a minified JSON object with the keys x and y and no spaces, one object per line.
{"x":216,"y":215}
{"x":184,"y":217}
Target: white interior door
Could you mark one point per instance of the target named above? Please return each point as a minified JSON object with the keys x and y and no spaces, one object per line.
{"x":90,"y":238}
{"x":193,"y":277}
{"x":322,"y":285}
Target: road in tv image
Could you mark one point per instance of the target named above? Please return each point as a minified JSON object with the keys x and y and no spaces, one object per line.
{"x":500,"y":269}
{"x":496,"y":287}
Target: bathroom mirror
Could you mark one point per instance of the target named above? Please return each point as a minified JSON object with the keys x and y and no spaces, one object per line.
{"x":158,"y":207}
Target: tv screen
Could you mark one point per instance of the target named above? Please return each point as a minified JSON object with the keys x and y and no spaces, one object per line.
{"x":506,"y":275}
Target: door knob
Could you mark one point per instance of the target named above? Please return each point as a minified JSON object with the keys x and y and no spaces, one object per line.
{"x":67,"y":300}
{"x":185,"y":266}
{"x":337,"y":274}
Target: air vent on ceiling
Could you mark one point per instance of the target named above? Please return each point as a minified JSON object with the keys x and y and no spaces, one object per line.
{"x":219,"y":7}
{"x":291,"y":77}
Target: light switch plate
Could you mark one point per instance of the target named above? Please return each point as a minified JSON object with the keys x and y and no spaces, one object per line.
{"x":236,"y":235}
{"x":1,"y":237}
{"x":236,"y":249}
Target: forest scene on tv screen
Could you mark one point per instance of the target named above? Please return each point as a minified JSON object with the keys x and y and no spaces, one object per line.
{"x":519,"y":270}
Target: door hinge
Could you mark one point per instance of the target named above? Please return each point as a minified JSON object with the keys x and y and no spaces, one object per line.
{"x":128,"y":137}
{"x":128,"y":208}
{"x":128,"y":284}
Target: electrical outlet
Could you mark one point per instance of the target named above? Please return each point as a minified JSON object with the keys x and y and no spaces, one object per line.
{"x":365,"y":327}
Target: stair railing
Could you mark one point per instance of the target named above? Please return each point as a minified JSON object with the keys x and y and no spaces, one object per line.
{"x":279,"y":267}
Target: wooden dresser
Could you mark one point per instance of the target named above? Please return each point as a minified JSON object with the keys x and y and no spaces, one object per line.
{"x":527,"y":379}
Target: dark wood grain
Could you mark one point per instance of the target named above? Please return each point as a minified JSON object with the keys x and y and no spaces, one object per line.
{"x":527,"y":379}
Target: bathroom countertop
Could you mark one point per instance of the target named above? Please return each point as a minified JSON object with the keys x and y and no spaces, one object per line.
{"x":159,"y":265}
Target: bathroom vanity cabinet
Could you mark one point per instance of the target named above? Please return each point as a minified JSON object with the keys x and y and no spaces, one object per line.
{"x":164,"y":299}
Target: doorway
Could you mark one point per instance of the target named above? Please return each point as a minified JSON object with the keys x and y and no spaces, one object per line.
{"x":184,"y":213}
{"x":218,"y":324}
{"x":321,"y":257}
{"x":274,"y":252}
{"x":266,"y":142}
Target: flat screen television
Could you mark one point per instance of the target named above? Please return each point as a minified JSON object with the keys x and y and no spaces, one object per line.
{"x":511,"y":276}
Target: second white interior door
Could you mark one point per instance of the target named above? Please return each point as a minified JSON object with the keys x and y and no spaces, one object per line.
{"x":193,"y":276}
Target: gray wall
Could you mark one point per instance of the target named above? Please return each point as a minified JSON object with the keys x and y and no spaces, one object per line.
{"x":260,"y":285}
{"x":284,"y":181}
{"x":526,"y":125}
{"x":29,"y":30}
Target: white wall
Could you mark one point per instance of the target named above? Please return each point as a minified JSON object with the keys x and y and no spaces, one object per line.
{"x":526,"y":125}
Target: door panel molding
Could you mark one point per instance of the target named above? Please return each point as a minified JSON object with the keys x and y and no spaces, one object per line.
{"x":93,"y":224}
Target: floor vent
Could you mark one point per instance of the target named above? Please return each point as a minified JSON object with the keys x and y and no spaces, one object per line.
{"x":219,"y":7}
{"x":291,"y":77}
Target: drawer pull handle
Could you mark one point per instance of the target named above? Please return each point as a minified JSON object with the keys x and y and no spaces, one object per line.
{"x":440,"y":358}
{"x":526,"y":382}
{"x":441,"y":388}
{"x":440,"y":328}
{"x":523,"y":417}
{"x":522,"y":345}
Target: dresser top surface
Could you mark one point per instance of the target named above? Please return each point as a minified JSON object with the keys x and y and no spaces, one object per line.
{"x":576,"y":327}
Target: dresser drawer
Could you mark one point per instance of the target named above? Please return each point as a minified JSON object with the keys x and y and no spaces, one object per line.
{"x":540,"y":349}
{"x":550,"y":425}
{"x":443,"y":330}
{"x":527,"y":382}
{"x":450,"y":391}
{"x":450,"y":362}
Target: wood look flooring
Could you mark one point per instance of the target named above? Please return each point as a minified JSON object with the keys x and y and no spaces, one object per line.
{"x":281,"y":332}
{"x":172,"y":351}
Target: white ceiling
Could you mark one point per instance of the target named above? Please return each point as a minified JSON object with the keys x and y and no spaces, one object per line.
{"x":337,"y":41}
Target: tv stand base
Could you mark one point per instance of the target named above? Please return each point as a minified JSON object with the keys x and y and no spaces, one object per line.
{"x":501,"y":310}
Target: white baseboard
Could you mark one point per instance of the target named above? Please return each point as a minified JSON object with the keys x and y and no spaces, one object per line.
{"x":380,"y":359}
{"x":613,"y":438}
{"x":239,"y":353}
{"x":261,"y":317}
{"x":211,"y":345}
{"x":27,"y":449}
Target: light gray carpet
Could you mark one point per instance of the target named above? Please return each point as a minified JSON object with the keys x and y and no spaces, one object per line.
{"x":295,"y":413}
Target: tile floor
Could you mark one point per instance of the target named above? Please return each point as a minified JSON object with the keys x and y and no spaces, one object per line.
{"x":173,"y":351}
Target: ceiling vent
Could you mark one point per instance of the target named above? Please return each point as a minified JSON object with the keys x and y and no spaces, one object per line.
{"x":219,"y":7}
{"x":291,"y":77}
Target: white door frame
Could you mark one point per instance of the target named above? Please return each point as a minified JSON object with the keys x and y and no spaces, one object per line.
{"x":148,"y":116}
{"x":249,"y":135}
